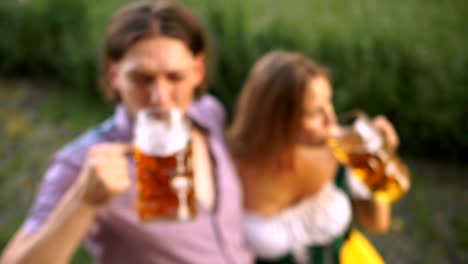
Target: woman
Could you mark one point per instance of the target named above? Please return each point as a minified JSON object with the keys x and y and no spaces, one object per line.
{"x":296,"y":192}
{"x":156,"y":55}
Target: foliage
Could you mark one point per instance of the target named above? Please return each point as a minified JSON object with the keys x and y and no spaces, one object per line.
{"x":49,"y":41}
{"x":404,"y":58}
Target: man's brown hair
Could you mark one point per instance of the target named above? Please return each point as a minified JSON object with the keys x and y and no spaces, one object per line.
{"x":269,"y":112}
{"x":145,"y":19}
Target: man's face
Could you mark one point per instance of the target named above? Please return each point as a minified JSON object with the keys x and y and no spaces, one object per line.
{"x":159,"y":73}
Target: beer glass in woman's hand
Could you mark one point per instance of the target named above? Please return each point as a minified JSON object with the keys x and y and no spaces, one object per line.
{"x":163,"y":157}
{"x":359,"y":144}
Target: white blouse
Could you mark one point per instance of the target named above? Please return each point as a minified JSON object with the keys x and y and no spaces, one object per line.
{"x":316,"y":220}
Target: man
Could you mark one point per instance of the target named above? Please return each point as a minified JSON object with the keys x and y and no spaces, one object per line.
{"x":156,"y":55}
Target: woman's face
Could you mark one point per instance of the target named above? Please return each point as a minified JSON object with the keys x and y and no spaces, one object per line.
{"x":319,"y":114}
{"x":160,"y":73}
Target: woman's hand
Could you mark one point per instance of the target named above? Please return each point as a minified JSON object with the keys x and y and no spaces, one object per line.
{"x":105,"y":173}
{"x":388,"y":130}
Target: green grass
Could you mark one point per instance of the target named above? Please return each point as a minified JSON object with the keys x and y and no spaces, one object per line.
{"x":24,"y":156}
{"x":73,"y":111}
{"x":423,"y":209}
{"x":81,"y":256}
{"x":460,"y":222}
{"x":409,"y":56}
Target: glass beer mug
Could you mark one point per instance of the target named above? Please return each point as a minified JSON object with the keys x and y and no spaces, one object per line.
{"x":359,"y":145}
{"x":163,"y":157}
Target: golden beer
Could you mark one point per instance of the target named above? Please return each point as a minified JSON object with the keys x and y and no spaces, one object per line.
{"x":165,"y":187}
{"x":380,"y":169}
{"x":163,"y":158}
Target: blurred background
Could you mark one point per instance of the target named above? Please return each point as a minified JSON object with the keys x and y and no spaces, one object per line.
{"x":407,"y":59}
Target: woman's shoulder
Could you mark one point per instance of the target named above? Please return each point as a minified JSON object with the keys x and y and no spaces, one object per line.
{"x":315,"y":167}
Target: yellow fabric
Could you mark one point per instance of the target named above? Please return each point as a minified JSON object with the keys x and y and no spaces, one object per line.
{"x":358,"y":250}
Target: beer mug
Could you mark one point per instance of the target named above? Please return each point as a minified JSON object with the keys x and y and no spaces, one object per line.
{"x":163,"y":157}
{"x":359,"y":145}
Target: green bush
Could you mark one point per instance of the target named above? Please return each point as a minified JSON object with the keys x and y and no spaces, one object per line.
{"x":49,"y":41}
{"x":411,"y":72}
{"x":405,"y":58}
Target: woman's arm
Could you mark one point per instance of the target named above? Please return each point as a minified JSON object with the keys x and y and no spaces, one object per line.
{"x":374,"y":216}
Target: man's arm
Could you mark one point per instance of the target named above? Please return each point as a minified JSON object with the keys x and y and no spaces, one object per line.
{"x":103,"y":176}
{"x":58,"y":238}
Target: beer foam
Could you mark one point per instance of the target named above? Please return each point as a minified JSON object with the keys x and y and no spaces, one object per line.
{"x":156,"y":136}
{"x":372,"y":138}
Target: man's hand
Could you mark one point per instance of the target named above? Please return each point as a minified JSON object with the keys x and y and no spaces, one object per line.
{"x":105,"y":173}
